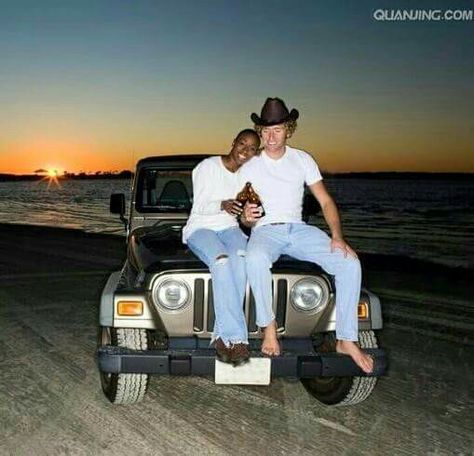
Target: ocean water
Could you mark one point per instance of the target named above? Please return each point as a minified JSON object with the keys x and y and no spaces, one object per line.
{"x":425,"y":219}
{"x":79,"y":204}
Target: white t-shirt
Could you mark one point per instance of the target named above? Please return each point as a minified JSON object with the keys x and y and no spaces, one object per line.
{"x":212,"y":183}
{"x":280,"y":183}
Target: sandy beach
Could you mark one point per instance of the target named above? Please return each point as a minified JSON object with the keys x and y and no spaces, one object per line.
{"x":51,"y":402}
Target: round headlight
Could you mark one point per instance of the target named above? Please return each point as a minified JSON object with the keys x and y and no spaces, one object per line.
{"x":309,"y":295}
{"x":171,"y":294}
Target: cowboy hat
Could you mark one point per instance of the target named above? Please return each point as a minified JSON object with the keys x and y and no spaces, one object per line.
{"x":274,"y":112}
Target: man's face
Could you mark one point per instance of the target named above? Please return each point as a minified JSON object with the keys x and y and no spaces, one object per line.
{"x":244,"y":148}
{"x":274,"y":137}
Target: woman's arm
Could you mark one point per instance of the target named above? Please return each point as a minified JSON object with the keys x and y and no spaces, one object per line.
{"x":204,"y":199}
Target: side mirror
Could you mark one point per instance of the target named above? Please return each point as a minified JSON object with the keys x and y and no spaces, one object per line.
{"x":117,"y":206}
{"x":117,"y":203}
{"x":310,"y":206}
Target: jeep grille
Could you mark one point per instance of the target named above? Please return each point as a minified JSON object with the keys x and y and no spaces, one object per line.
{"x":204,"y":306}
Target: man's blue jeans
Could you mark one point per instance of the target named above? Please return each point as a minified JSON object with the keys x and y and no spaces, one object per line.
{"x":224,"y":254}
{"x":308,"y":243}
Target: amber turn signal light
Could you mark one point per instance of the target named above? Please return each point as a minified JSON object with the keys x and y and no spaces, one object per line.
{"x":130,"y":308}
{"x":363,"y":310}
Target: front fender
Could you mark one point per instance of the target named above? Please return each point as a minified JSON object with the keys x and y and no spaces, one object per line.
{"x":106,"y":315}
{"x":375,"y":310}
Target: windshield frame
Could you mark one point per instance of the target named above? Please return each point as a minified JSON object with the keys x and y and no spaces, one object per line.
{"x":140,"y":187}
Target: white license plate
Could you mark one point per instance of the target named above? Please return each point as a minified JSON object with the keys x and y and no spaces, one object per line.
{"x":255,"y":372}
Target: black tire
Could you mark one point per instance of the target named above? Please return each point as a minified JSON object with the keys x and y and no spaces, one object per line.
{"x":124,"y":388}
{"x":343,"y":391}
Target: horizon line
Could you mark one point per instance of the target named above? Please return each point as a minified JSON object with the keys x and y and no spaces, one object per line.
{"x":127,"y":171}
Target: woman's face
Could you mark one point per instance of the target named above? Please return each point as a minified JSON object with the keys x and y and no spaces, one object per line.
{"x":244,"y":148}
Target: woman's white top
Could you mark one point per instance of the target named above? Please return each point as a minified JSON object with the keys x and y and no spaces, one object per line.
{"x":212,"y":184}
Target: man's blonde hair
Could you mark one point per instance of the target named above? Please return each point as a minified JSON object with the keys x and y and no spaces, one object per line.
{"x":290,"y":126}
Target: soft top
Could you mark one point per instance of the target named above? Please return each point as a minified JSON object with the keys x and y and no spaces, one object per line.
{"x":170,"y":161}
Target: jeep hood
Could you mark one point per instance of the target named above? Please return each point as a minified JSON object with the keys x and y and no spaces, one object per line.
{"x":160,"y":248}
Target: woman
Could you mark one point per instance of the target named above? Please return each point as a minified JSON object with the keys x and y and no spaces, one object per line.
{"x":214,"y":236}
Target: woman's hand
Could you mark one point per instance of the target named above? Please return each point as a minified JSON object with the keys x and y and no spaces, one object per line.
{"x":232,"y":207}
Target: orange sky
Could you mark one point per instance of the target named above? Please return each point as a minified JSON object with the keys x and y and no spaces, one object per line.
{"x":397,"y":150}
{"x":94,"y":89}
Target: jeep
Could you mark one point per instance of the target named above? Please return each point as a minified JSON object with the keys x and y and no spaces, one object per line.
{"x":157,"y":313}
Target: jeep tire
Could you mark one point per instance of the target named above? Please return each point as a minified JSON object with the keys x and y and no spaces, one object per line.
{"x":343,"y":391}
{"x":124,"y":388}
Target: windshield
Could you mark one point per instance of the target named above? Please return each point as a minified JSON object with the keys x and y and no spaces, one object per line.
{"x":164,"y":190}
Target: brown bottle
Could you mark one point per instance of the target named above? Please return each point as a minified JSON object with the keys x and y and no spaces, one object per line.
{"x":244,"y":194}
{"x":255,"y":199}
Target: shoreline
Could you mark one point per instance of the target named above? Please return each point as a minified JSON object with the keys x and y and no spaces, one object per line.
{"x":48,"y":229}
{"x":128,"y":174}
{"x":386,"y":274}
{"x":398,"y":262}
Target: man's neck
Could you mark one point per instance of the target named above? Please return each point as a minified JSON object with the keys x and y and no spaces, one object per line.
{"x":276,"y":154}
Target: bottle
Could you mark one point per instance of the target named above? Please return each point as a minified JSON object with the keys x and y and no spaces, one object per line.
{"x":255,"y":199}
{"x":244,"y":194}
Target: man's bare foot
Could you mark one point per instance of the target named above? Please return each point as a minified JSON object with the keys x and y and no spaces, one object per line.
{"x":363,"y":360}
{"x":270,"y":344}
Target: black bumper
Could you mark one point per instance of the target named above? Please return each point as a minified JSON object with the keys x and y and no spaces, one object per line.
{"x":298,"y":360}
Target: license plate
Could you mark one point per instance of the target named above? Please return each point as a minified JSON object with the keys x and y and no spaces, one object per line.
{"x":255,"y":372}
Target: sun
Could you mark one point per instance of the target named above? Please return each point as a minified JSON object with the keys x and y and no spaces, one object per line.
{"x":51,"y":176}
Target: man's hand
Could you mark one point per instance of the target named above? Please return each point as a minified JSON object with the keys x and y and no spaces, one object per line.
{"x":338,"y":243}
{"x":250,"y":214}
{"x":232,"y":207}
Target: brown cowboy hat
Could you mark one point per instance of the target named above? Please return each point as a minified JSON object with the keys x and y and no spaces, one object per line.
{"x":274,"y":112}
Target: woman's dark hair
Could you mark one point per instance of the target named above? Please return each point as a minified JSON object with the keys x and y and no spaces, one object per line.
{"x":248,"y":131}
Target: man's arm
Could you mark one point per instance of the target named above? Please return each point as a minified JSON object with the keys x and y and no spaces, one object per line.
{"x":331,"y":215}
{"x":329,"y":208}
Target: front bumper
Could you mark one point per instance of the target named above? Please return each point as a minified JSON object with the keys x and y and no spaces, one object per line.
{"x":185,"y":358}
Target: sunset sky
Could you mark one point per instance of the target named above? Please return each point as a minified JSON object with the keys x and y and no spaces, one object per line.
{"x":95,"y":85}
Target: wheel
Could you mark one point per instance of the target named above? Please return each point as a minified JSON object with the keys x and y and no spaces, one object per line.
{"x":124,"y":388}
{"x":342,"y":391}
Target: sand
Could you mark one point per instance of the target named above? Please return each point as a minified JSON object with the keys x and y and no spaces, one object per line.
{"x":51,"y":401}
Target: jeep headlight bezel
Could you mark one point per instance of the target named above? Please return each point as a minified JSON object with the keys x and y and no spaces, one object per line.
{"x":171,"y":294}
{"x":310,"y":295}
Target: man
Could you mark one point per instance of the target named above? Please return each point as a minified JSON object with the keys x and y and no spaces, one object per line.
{"x":278,"y":176}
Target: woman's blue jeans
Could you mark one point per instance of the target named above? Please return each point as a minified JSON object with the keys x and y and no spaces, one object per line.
{"x":224,"y":254}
